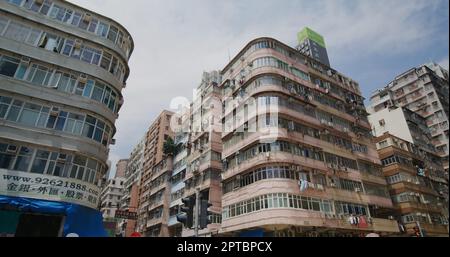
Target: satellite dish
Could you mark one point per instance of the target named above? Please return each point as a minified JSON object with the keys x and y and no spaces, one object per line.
{"x":72,"y":235}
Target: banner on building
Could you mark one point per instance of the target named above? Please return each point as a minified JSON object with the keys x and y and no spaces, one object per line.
{"x":40,"y":186}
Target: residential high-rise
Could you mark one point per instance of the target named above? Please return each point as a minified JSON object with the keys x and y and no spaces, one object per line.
{"x":130,"y":198}
{"x":423,"y":90}
{"x":204,"y":150}
{"x":62,"y":70}
{"x":157,"y":134}
{"x":177,"y":184}
{"x":298,"y":157}
{"x":111,"y":196}
{"x":312,"y":44}
{"x":413,"y":169}
{"x":121,"y":168}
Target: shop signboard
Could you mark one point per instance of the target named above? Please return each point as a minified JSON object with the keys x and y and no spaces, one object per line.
{"x":52,"y":188}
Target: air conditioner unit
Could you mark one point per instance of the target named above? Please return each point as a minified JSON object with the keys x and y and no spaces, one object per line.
{"x":346,"y":130}
{"x":87,"y":17}
{"x":327,"y":91}
{"x":319,"y":186}
{"x":357,"y":189}
{"x":77,"y":44}
{"x":268,"y":155}
{"x":329,"y":73}
{"x":82,"y":78}
{"x":330,"y":124}
{"x":417,"y":194}
{"x":11,"y":149}
{"x":25,"y":60}
{"x":408,"y":180}
{"x":323,"y":121}
{"x":293,"y":91}
{"x":54,"y":111}
{"x":62,"y":158}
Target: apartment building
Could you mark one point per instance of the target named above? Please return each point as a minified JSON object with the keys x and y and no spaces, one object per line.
{"x":423,"y":90}
{"x":110,"y":197}
{"x":157,"y":134}
{"x":130,"y":198}
{"x":121,"y":168}
{"x":413,"y":169}
{"x":298,"y":157}
{"x":204,"y":150}
{"x":177,"y":184}
{"x":62,"y":70}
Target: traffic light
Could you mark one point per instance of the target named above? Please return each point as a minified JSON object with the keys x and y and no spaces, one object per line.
{"x":205,"y":215}
{"x":186,"y":215}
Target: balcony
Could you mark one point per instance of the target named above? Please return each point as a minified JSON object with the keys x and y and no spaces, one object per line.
{"x":154,"y":221}
{"x":430,"y":229}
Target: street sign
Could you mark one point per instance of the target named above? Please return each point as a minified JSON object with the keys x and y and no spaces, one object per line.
{"x":125,"y":215}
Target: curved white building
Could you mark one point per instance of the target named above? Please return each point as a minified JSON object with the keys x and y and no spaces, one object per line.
{"x":62,"y":70}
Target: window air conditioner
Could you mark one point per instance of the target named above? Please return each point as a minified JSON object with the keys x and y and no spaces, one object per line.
{"x":11,"y":149}
{"x":82,"y":78}
{"x":62,"y":158}
{"x":77,"y":44}
{"x":54,"y":111}
{"x":87,"y":17}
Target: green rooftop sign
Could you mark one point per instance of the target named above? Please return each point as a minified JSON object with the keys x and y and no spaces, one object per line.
{"x":310,"y":34}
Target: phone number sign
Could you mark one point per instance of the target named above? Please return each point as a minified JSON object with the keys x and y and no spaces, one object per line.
{"x":40,"y":186}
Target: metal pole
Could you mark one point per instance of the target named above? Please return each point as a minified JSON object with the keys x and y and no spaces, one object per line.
{"x":420,"y":228}
{"x":196,"y":211}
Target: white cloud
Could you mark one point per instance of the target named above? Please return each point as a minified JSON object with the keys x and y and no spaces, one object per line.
{"x":175,"y":41}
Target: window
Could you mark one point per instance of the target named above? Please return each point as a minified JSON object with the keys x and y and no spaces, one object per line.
{"x":16,"y":2}
{"x":76,"y":18}
{"x":3,"y":23}
{"x":7,"y":154}
{"x":29,"y":114}
{"x":112,"y":35}
{"x":93,"y":25}
{"x":14,"y":110}
{"x":23,"y":159}
{"x":102,"y":29}
{"x":40,"y":161}
{"x":106,"y":61}
{"x":8,"y":66}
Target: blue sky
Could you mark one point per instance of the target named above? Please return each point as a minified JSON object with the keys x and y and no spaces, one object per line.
{"x":175,"y":41}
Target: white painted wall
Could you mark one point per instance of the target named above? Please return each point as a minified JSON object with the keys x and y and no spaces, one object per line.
{"x":395,"y":124}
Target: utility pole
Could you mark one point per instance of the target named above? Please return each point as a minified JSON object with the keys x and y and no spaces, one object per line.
{"x":196,"y":211}
{"x":420,"y":228}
